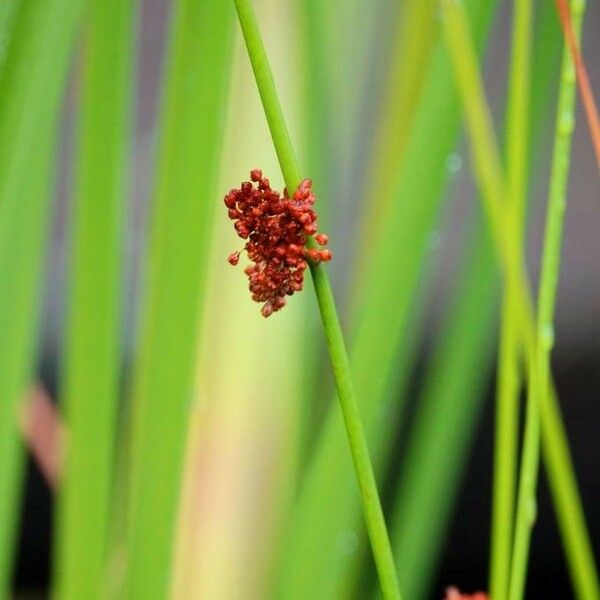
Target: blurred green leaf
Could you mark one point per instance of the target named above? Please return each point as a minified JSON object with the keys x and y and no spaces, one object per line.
{"x":30,"y":91}
{"x":412,"y":46}
{"x":188,"y":158}
{"x":91,"y":371}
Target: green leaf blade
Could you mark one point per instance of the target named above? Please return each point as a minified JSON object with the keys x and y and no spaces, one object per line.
{"x":185,"y":196}
{"x":33,"y":78}
{"x":91,"y":370}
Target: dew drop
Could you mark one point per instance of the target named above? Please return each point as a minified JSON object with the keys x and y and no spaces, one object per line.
{"x":531,"y":511}
{"x":547,"y":336}
{"x":570,"y":74}
{"x":577,"y":7}
{"x":434,"y":240}
{"x":454,"y":163}
{"x":566,"y":123}
{"x":347,"y":542}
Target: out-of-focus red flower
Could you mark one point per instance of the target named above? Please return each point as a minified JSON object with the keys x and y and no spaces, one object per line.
{"x":277,"y":229}
{"x":453,"y":593}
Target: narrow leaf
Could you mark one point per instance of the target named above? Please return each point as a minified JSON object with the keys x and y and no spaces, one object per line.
{"x":185,"y":196}
{"x":31,"y":88}
{"x":91,"y":372}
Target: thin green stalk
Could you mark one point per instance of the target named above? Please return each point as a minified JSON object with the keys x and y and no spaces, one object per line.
{"x":490,"y":178}
{"x":539,"y":375}
{"x":505,"y":448}
{"x":526,"y":506}
{"x":92,"y":358}
{"x":341,"y":369}
{"x":509,"y":375}
{"x":193,"y":113}
{"x":32,"y":83}
{"x":567,"y":502}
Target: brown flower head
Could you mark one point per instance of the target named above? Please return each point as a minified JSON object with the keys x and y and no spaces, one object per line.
{"x":453,"y":593}
{"x":277,"y":229}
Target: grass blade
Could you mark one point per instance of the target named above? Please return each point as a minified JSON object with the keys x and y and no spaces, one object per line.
{"x":193,"y":102}
{"x":568,"y":507}
{"x":91,"y":376}
{"x":509,"y":373}
{"x":32,"y":83}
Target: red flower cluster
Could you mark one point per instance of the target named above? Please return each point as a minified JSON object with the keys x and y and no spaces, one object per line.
{"x":453,"y":593}
{"x":277,"y":229}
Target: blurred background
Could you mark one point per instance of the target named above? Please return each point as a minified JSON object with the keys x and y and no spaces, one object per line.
{"x":249,"y":428}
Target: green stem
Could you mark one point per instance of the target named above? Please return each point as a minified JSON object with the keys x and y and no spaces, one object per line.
{"x":505,"y":450}
{"x":335,"y":342}
{"x":561,"y":472}
{"x":509,"y":377}
{"x":540,"y":366}
{"x":567,"y":502}
{"x":526,"y":507}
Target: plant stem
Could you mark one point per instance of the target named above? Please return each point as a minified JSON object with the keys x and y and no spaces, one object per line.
{"x":505,"y":448}
{"x":559,"y":465}
{"x":567,"y":502}
{"x":335,"y":342}
{"x":509,"y":377}
{"x":540,"y":367}
{"x":526,"y":507}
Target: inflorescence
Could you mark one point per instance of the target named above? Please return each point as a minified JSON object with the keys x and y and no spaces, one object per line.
{"x":453,"y":593}
{"x":277,"y":229}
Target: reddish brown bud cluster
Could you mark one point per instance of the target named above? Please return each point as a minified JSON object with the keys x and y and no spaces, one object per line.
{"x":277,"y":229}
{"x":453,"y":593}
